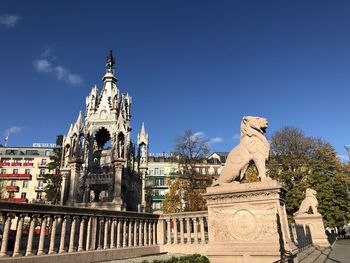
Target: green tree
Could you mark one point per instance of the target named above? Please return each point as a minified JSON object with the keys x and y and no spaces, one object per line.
{"x":299,"y":162}
{"x":53,"y":179}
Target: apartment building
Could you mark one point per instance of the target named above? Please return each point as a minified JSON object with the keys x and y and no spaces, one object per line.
{"x":21,"y":173}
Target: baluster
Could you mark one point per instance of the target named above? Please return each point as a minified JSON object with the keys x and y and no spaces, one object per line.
{"x":93,"y":233}
{"x":63,"y":234}
{"x":182,"y":239}
{"x":5,"y":235}
{"x":154,"y":232}
{"x":124,"y":233}
{"x":101,"y":221}
{"x":72,"y":233}
{"x":16,"y":251}
{"x":195,"y":230}
{"x":105,"y":240}
{"x":29,"y":250}
{"x":175,"y":230}
{"x":201,"y":223}
{"x":168,"y":242}
{"x":145,"y":232}
{"x":113,"y":232}
{"x":53,"y":234}
{"x":42,"y":235}
{"x":135,"y":232}
{"x":140,"y":232}
{"x":149,"y":232}
{"x":88,"y":234}
{"x":130,"y":233}
{"x":188,"y":230}
{"x":118,"y":232}
{"x":81,"y":234}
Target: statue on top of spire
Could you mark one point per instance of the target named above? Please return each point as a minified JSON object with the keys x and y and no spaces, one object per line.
{"x":110,"y":62}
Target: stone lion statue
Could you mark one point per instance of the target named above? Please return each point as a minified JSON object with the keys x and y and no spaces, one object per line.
{"x":310,"y":200}
{"x":253,"y":146}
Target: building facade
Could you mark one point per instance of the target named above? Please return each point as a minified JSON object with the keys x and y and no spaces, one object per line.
{"x":163,"y":170}
{"x":100,"y":164}
{"x":22,"y":172}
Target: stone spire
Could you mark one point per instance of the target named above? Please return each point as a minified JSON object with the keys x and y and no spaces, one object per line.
{"x":142,"y":137}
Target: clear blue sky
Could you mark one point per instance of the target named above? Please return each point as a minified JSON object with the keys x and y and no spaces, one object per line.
{"x":187,"y":64}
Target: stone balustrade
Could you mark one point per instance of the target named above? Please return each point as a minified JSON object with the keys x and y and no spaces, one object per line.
{"x":33,"y":229}
{"x":182,"y":232}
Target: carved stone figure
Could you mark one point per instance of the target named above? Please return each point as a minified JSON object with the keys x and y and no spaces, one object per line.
{"x":310,"y":200}
{"x":253,"y":146}
{"x":143,"y":154}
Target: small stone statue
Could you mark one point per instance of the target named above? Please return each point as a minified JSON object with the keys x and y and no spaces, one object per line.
{"x":310,"y":200}
{"x":253,"y":146}
{"x":143,"y":154}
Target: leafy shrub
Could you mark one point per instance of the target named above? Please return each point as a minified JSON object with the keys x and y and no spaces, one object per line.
{"x":195,"y":258}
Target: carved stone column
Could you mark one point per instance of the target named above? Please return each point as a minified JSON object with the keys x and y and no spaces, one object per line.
{"x":135,"y":232}
{"x":118,"y":170}
{"x":149,"y":232}
{"x":248,"y":222}
{"x":124,"y":233}
{"x":130,"y":233}
{"x":195,"y":229}
{"x":16,"y":251}
{"x":201,"y":223}
{"x":140,"y":233}
{"x":5,"y":235}
{"x":63,"y":234}
{"x":113,"y":232}
{"x":29,"y":250}
{"x":188,"y":230}
{"x":75,"y":172}
{"x":168,"y":226}
{"x":154,"y":232}
{"x":182,"y":239}
{"x":100,"y":231}
{"x":81,"y":233}
{"x":175,"y":230}
{"x":105,"y":240}
{"x":42,"y":235}
{"x":65,"y":173}
{"x":118,"y":232}
{"x":53,"y":234}
{"x":145,"y":232}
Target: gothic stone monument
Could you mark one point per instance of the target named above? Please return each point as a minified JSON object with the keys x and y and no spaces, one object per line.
{"x":247,"y":222}
{"x":314,"y":220}
{"x":99,"y":167}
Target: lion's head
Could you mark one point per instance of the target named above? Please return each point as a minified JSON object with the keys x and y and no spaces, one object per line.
{"x":310,"y":192}
{"x":251,"y":123}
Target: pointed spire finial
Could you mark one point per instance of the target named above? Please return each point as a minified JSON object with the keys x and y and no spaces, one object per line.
{"x":110,"y":64}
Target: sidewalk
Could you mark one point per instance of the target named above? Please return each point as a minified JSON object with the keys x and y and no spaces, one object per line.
{"x":340,"y":252}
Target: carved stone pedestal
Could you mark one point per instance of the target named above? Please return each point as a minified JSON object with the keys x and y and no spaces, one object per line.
{"x":248,"y":223}
{"x":315,"y":222}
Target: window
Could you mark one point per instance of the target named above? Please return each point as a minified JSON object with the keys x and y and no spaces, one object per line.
{"x":43,"y":161}
{"x":13,"y":183}
{"x":11,"y":152}
{"x":25,"y":184}
{"x":27,"y":171}
{"x":216,"y":171}
{"x":32,"y":152}
{"x":1,"y":184}
{"x":11,"y":195}
{"x":15,"y":171}
{"x":151,"y":172}
{"x":206,"y":170}
{"x":161,"y":171}
{"x":156,"y":171}
{"x":41,"y":183}
{"x":23,"y":195}
{"x":3,"y":171}
{"x":38,"y":196}
{"x":42,"y":171}
{"x":159,"y":181}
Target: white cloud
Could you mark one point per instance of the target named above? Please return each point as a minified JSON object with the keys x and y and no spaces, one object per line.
{"x":14,"y":129}
{"x":236,"y":137}
{"x":45,"y":65}
{"x":215,"y":140}
{"x":9,"y":20}
{"x":197,"y":135}
{"x":343,"y":158}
